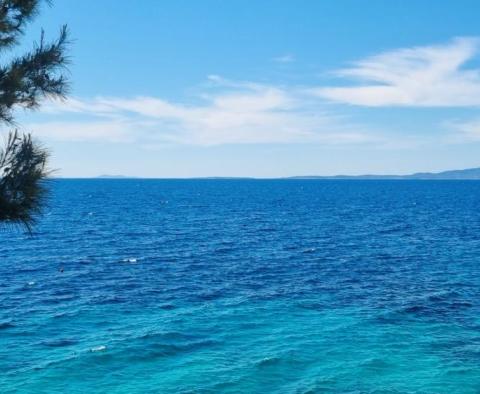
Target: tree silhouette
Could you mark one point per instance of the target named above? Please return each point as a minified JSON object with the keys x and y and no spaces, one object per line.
{"x":24,"y":81}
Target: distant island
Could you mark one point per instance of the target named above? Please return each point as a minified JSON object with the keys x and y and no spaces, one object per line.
{"x":466,"y":174}
{"x":114,"y":177}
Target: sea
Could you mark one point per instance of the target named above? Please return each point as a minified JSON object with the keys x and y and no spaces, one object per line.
{"x":297,"y":286}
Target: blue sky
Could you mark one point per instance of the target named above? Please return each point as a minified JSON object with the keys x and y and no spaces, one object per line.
{"x":265,"y":89}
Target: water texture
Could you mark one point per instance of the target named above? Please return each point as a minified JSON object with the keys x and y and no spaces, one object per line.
{"x":245,"y":286}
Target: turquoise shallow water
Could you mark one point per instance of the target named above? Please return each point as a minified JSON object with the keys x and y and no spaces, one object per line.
{"x":215,"y":286}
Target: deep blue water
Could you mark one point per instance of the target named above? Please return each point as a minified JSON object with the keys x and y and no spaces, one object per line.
{"x":239,"y":286}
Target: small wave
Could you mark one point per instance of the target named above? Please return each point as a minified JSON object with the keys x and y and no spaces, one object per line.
{"x":65,"y":314}
{"x":375,"y":363}
{"x":311,"y":305}
{"x":267,"y":230}
{"x":100,"y":348}
{"x":209,"y":296}
{"x":389,"y":318}
{"x":45,"y":364}
{"x":437,"y":309}
{"x":167,"y":307}
{"x":131,"y":260}
{"x":443,"y":296}
{"x":110,"y":300}
{"x":6,"y":324}
{"x":291,"y":247}
{"x":167,"y":336}
{"x":268,"y":361}
{"x":59,"y":343}
{"x":59,"y":299}
{"x":26,"y":270}
{"x":150,"y":349}
{"x":415,"y":309}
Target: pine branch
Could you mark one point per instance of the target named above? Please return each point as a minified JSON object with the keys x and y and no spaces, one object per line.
{"x":14,"y":14}
{"x":23,"y":172}
{"x":33,"y":76}
{"x":24,"y":82}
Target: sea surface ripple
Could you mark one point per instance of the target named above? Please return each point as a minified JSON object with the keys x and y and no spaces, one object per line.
{"x":244,"y":286}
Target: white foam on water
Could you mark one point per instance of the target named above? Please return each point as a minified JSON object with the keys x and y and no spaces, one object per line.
{"x":98,"y":348}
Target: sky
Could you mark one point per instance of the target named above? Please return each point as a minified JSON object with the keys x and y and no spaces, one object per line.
{"x":272,"y":88}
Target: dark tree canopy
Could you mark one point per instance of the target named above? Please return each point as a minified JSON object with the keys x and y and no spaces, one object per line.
{"x":24,"y":81}
{"x":23,"y":165}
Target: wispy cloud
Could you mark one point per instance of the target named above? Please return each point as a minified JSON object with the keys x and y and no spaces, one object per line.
{"x":233,"y":113}
{"x":463,"y":131}
{"x":79,"y":131}
{"x":287,"y":58}
{"x":428,"y":76}
{"x":245,"y":112}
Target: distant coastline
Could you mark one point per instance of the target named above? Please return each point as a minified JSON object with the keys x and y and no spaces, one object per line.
{"x":465,"y":174}
{"x":115,"y":177}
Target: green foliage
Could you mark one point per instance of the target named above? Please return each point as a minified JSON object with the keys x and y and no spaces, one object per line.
{"x":24,"y":81}
{"x":13,"y":16}
{"x":22,"y":182}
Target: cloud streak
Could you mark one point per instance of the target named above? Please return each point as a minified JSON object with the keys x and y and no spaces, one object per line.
{"x":428,"y":76}
{"x":287,"y":58}
{"x":234,"y":113}
{"x":245,"y":112}
{"x":463,"y":131}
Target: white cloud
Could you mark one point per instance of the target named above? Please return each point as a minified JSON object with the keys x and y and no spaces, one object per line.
{"x":244,"y":112}
{"x":464,"y":131}
{"x":111,"y":131}
{"x":235,"y":113}
{"x":429,"y":76}
{"x":287,"y":58}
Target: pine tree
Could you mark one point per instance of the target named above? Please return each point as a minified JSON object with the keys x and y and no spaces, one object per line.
{"x":24,"y":81}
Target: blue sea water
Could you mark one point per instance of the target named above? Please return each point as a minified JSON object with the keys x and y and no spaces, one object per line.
{"x":244,"y":286}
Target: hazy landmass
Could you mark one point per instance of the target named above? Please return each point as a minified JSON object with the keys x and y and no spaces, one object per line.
{"x":470,"y":173}
{"x":114,"y":177}
{"x":466,"y":174}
